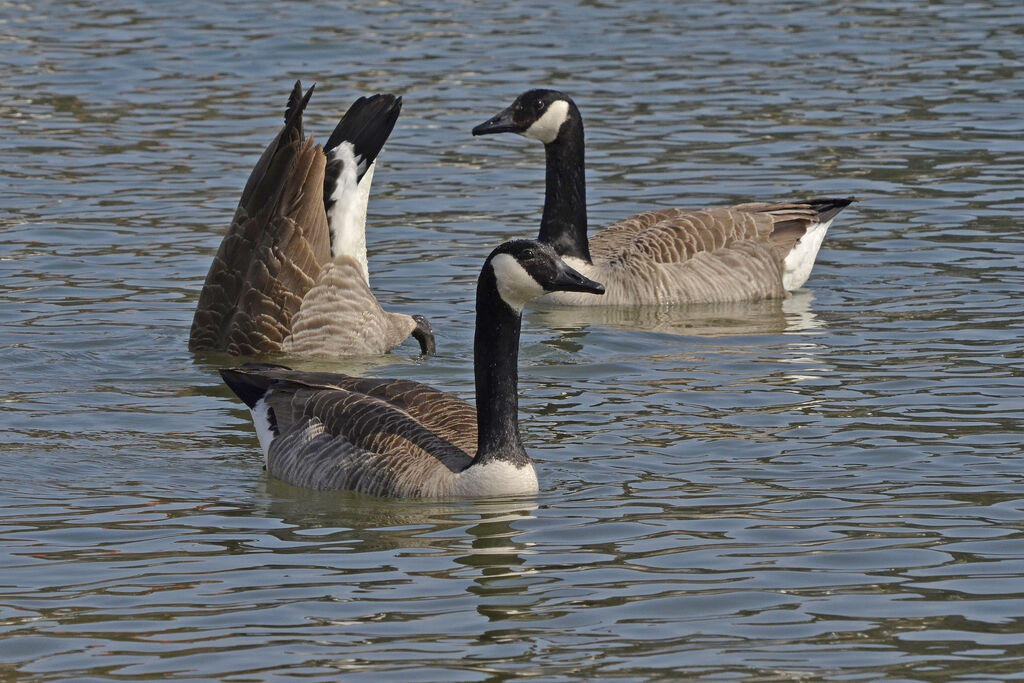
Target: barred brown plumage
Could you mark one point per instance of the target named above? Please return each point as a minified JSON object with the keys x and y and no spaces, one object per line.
{"x":281,"y":281}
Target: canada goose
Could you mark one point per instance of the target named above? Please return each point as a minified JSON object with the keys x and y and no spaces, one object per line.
{"x":396,"y":437}
{"x":291,"y":276}
{"x":745,"y":252}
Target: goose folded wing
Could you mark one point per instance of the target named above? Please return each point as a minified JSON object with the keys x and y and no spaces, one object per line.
{"x":677,"y":235}
{"x":445,"y":414}
{"x":335,"y":437}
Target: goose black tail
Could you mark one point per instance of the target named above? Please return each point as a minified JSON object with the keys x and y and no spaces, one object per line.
{"x":248,"y":383}
{"x":827,"y":208}
{"x":366,"y":126}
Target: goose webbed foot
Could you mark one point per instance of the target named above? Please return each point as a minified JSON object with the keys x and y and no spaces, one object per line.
{"x":424,"y":334}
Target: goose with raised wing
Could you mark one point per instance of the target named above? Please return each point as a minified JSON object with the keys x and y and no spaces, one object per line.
{"x":746,"y":252}
{"x":291,"y":274}
{"x":400,"y":438}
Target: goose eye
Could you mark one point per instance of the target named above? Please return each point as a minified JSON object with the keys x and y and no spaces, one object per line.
{"x":529,"y":254}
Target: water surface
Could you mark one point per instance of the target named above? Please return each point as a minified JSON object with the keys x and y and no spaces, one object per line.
{"x":825,"y":487}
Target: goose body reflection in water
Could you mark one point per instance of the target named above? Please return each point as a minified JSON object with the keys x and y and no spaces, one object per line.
{"x":769,"y":316}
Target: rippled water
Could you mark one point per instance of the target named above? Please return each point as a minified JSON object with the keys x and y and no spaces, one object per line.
{"x":826,"y":487}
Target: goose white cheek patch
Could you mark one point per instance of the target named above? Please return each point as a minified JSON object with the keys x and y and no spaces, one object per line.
{"x":515,"y":285}
{"x":547,"y":126}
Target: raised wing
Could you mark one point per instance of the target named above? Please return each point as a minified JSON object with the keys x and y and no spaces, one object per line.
{"x":273,"y":251}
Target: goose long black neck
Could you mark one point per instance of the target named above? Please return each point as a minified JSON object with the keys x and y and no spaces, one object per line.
{"x":495,"y":362}
{"x":564,"y":223}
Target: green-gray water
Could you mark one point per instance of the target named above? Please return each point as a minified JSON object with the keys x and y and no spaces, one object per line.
{"x":828,"y":487}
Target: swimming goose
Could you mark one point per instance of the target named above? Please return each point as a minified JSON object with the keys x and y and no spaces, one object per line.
{"x":399,"y":438}
{"x":745,"y":252}
{"x":291,"y":274}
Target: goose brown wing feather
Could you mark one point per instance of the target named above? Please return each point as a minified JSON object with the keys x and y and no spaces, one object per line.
{"x":689,"y":256}
{"x":443,"y":413}
{"x":677,"y":235}
{"x":374,"y":436}
{"x":708,"y":255}
{"x":271,"y":256}
{"x":790,"y":220}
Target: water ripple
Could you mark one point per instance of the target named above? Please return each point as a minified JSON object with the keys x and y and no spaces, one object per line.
{"x":824,"y":488}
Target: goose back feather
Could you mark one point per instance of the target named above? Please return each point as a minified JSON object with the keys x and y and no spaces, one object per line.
{"x":376,"y":436}
{"x":706,"y":256}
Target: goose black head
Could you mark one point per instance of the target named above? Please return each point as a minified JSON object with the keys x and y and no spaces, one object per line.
{"x":538,"y":114}
{"x":526,"y":269}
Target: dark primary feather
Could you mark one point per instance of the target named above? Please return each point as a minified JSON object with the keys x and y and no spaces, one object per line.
{"x":249,"y":384}
{"x":297,"y":102}
{"x":829,"y":207}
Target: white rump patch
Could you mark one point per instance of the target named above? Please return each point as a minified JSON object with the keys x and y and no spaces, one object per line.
{"x":261,"y":421}
{"x":547,"y":126}
{"x":800,"y":260}
{"x":497,"y":478}
{"x":347,"y":220}
{"x":515,"y":285}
